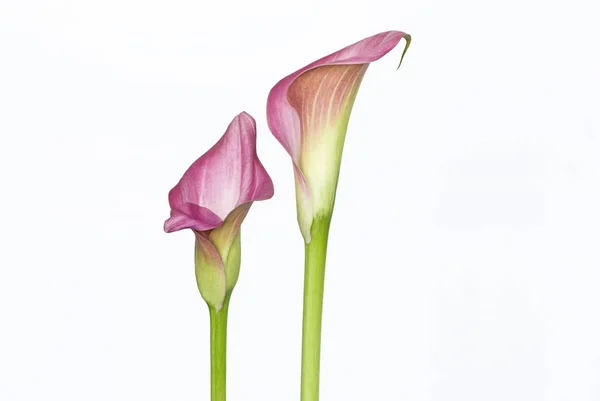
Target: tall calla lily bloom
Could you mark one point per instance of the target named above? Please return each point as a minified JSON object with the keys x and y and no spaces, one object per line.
{"x":212,"y":198}
{"x":308,"y":112}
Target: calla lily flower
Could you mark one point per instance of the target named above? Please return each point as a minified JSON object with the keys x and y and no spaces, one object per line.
{"x":212,"y":199}
{"x":308,"y":113}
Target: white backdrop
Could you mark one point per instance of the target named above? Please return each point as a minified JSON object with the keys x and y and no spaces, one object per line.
{"x":464,"y":260}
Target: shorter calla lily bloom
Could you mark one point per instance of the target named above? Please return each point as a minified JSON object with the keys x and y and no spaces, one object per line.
{"x":212,"y":199}
{"x":308,"y":113}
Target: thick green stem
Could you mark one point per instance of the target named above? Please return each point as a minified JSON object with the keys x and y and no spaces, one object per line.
{"x":218,"y":351}
{"x":314,"y":282}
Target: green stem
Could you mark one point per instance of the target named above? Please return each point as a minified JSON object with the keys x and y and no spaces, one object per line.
{"x":314,"y":282}
{"x":218,"y":351}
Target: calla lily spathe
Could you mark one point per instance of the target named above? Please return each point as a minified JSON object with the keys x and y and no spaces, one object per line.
{"x":212,"y":198}
{"x":308,"y":113}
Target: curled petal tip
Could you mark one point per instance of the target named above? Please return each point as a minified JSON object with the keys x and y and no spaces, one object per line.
{"x":408,"y":39}
{"x":191,"y":216}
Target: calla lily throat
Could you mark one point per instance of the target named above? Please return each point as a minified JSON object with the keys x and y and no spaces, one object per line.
{"x":323,"y":97}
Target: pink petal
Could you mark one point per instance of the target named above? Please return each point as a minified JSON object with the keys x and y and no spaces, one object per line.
{"x":228,"y":175}
{"x":189,"y":215}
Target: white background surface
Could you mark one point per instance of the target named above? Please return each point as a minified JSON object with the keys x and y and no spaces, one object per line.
{"x":464,"y":255}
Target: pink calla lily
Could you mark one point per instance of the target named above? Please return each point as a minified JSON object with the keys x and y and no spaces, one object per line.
{"x":212,"y":198}
{"x":308,"y":112}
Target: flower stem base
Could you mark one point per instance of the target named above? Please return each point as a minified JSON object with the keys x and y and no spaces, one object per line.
{"x":218,"y":351}
{"x":314,"y":281}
